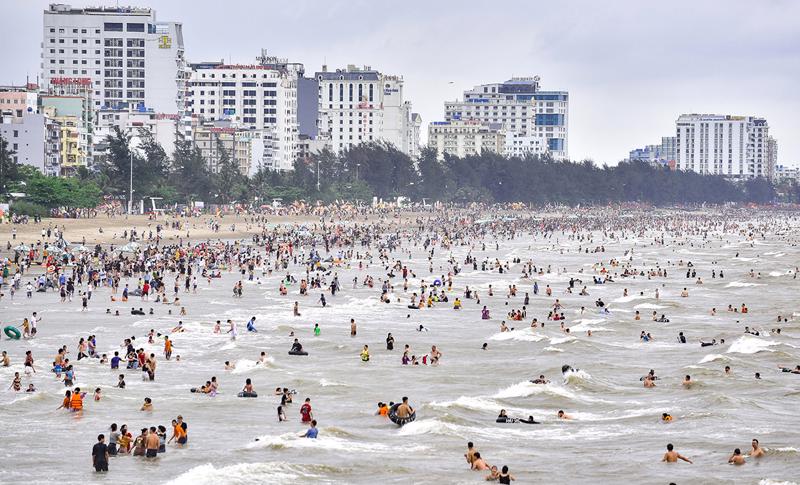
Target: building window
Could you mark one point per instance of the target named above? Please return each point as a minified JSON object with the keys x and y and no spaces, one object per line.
{"x":112,"y":27}
{"x":135,"y":27}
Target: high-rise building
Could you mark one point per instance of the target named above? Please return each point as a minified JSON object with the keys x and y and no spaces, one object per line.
{"x":260,"y":96}
{"x":519,"y":106}
{"x":733,"y":146}
{"x":465,"y":138}
{"x":413,"y":135}
{"x":772,"y":157}
{"x":362,"y":105}
{"x":128,"y":56}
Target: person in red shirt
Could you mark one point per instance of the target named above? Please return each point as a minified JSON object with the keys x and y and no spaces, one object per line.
{"x":305,"y":411}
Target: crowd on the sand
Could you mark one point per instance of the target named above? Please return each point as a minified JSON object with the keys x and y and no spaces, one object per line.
{"x":151,"y":270}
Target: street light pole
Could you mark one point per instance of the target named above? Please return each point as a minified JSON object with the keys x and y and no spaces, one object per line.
{"x":130,"y":197}
{"x":357,"y":165}
{"x":317,"y":175}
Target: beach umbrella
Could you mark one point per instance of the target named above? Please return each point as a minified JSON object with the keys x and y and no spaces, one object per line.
{"x":22,"y":247}
{"x":79,"y":248}
{"x":131,"y":247}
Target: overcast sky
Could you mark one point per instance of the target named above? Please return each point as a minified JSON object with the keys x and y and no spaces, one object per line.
{"x":630,"y":66}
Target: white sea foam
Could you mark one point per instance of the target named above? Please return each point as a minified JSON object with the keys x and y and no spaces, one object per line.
{"x":712,"y":358}
{"x":750,"y":345}
{"x":523,"y":335}
{"x":741,"y":284}
{"x":241,"y":473}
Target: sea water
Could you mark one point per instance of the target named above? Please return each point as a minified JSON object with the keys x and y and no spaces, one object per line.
{"x":616,"y":433}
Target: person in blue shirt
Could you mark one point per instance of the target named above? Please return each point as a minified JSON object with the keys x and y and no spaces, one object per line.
{"x":115,"y":361}
{"x":312,"y":431}
{"x":251,"y":325}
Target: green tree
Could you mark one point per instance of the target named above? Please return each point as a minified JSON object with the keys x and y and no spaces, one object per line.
{"x":9,"y":170}
{"x":229,"y":181}
{"x":190,"y":175}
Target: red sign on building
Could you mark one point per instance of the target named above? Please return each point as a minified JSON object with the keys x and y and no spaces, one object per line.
{"x":80,"y":81}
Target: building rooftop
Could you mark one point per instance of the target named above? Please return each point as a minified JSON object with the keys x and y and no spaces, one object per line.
{"x":61,"y":8}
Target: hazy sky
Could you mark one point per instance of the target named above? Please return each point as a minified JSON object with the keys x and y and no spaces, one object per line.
{"x":630,"y":66}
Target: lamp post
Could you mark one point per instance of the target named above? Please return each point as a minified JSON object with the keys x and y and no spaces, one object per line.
{"x":357,"y":165}
{"x":317,"y":175}
{"x":130,"y":196}
{"x":132,"y":144}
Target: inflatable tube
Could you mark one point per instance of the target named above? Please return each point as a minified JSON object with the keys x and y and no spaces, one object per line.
{"x":398,"y":420}
{"x":247,"y":394}
{"x":437,"y":282}
{"x":300,"y":352}
{"x":12,"y":332}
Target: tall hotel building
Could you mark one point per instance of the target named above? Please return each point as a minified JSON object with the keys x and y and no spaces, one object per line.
{"x":520,"y":107}
{"x":732,"y":146}
{"x":362,"y":105}
{"x":128,"y":57}
{"x":258,"y":97}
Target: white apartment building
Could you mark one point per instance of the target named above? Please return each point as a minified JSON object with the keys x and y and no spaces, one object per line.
{"x":362,"y":105}
{"x":787,"y":174}
{"x":732,"y":146}
{"x":519,"y":145}
{"x":134,"y":122}
{"x":260,"y":97}
{"x":464,"y":138}
{"x":413,"y":135}
{"x":130,"y":58}
{"x":519,"y":106}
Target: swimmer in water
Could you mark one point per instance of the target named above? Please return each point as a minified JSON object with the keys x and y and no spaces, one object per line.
{"x":736,"y":458}
{"x":672,"y":456}
{"x":666,"y":417}
{"x":796,"y":370}
{"x":562,"y":415}
{"x":757,"y":451}
{"x":540,"y":380}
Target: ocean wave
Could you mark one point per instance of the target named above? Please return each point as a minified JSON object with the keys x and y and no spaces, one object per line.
{"x":750,"y":345}
{"x":649,"y":306}
{"x":712,"y":358}
{"x":326,"y":383}
{"x":576,"y":376}
{"x":291,"y":440}
{"x":769,"y":481}
{"x":741,"y":284}
{"x":241,"y":473}
{"x":527,"y":388}
{"x":562,"y":340}
{"x":244,"y":366}
{"x":626,"y":299}
{"x":552,"y":349}
{"x":524,"y":335}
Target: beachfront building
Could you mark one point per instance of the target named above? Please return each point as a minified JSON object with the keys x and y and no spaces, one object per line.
{"x":69,"y":103}
{"x":464,"y":138}
{"x":250,"y":149}
{"x":362,"y":105}
{"x":519,"y":106}
{"x":128,"y":56}
{"x":662,"y":155}
{"x":135,"y":122}
{"x":260,"y":96}
{"x":26,"y":129}
{"x":733,"y":146}
{"x":784,"y":173}
{"x":519,"y":145}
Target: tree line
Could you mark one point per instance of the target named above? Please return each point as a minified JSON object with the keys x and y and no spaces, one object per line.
{"x":374,"y":170}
